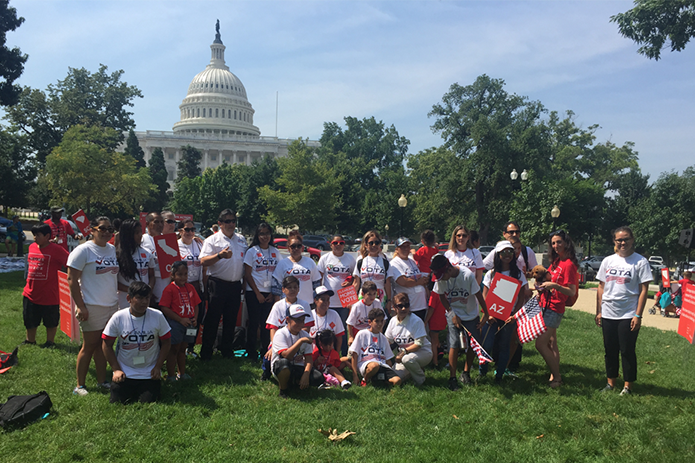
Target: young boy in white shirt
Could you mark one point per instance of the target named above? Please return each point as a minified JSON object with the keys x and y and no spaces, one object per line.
{"x":371,"y":353}
{"x":292,"y":362}
{"x":359,"y":313}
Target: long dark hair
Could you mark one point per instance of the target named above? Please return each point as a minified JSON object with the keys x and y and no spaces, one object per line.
{"x":514,"y":271}
{"x":569,"y":247}
{"x":126,"y":248}
{"x":261,"y":226}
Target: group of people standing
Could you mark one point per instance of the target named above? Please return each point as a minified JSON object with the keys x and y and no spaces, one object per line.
{"x":307,"y":336}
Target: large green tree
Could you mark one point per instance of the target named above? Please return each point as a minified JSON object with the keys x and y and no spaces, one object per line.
{"x":86,"y":172}
{"x":84,"y":98}
{"x":11,"y":60}
{"x":132,"y":149}
{"x":658,"y":24}
{"x":159,"y":175}
{"x":17,"y":172}
{"x":189,"y":164}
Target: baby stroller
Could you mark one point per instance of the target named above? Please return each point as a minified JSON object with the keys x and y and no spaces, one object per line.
{"x":668,"y":302}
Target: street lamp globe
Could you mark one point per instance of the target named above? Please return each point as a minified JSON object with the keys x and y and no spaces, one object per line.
{"x":555,"y":212}
{"x":514,"y":175}
{"x":524,"y":175}
{"x":402,"y":201}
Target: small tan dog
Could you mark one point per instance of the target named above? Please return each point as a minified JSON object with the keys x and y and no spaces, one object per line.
{"x":540,"y":274}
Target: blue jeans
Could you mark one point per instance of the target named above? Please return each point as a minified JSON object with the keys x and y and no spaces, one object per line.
{"x":503,"y":338}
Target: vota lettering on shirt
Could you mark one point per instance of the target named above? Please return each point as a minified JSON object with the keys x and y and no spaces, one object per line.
{"x":106,"y":265}
{"x":137,"y":339}
{"x":372,"y":272}
{"x":457,"y":295}
{"x":404,"y":341}
{"x":619,"y":276}
{"x":337,"y":271}
{"x":264,"y":263}
{"x":301,"y":273}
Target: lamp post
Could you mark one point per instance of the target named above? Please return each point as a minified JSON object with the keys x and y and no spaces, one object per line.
{"x":514,"y":175}
{"x":555,"y":213}
{"x":386,"y":227}
{"x":402,"y":202}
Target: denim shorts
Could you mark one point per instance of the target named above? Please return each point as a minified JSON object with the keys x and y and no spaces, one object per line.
{"x":552,"y":319}
{"x":455,"y":333}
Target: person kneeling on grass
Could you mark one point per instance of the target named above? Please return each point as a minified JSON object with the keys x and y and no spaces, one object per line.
{"x":140,"y":330}
{"x":409,"y":336}
{"x":371,"y":353}
{"x":292,"y":362}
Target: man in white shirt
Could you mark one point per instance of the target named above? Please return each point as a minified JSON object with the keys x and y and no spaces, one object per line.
{"x":155,"y":225}
{"x":527,"y":258}
{"x":223,"y":257}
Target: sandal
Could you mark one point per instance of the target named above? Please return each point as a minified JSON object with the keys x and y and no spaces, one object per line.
{"x":554,"y":384}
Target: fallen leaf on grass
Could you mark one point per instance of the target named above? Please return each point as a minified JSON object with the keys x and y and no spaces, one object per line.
{"x":455,"y":416}
{"x":668,"y":346}
{"x":333,"y":435}
{"x":617,"y":416}
{"x":538,"y":437}
{"x":652,"y":372}
{"x":648,"y":362}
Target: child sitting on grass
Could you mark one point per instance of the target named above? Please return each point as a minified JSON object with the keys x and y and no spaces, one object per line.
{"x":371,"y":353}
{"x":327,"y":360}
{"x":292,"y":362}
{"x":179,"y":303}
{"x":359,"y":314}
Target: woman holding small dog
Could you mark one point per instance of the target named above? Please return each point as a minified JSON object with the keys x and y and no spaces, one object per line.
{"x":622,"y":294}
{"x":553,"y":295}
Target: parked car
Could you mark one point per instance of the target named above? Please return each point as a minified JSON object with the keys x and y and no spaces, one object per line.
{"x":485,"y":250}
{"x":656,"y":260}
{"x":317,"y":241}
{"x":281,"y":243}
{"x":594,"y":262}
{"x":587,"y":270}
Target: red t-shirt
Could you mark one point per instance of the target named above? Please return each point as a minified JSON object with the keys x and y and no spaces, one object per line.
{"x":182,"y":300}
{"x":423,"y":257}
{"x":61,"y":231}
{"x":333,"y":359}
{"x":42,"y":274}
{"x":563,"y":273}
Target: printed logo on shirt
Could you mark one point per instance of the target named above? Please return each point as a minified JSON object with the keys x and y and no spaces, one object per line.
{"x":404,"y":340}
{"x":302,"y":274}
{"x":130,"y":340}
{"x":337,"y":270}
{"x":620,"y":276}
{"x":38,"y":267}
{"x":106,"y":265}
{"x":457,"y":295}
{"x":372,"y":272}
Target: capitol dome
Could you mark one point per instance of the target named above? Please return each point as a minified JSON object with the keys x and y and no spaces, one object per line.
{"x":216,"y":102}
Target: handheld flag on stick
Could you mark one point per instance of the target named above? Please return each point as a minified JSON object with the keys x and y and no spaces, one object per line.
{"x":483,"y":357}
{"x":529,"y":320}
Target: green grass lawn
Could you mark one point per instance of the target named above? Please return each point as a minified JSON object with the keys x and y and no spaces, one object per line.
{"x":227,"y":414}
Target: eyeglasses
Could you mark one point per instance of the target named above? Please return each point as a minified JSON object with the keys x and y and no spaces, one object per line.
{"x":560,"y":233}
{"x":228,"y":221}
{"x":170,"y":221}
{"x":296,"y":246}
{"x":104,"y":229}
{"x":190,"y":230}
{"x":374,"y":243}
{"x":461,"y":235}
{"x":506,"y":251}
{"x":338,"y":243}
{"x":403,"y":306}
{"x":623,"y":240}
{"x":513,"y":232}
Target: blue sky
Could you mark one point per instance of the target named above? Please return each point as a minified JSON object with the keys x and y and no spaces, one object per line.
{"x":392,"y":60}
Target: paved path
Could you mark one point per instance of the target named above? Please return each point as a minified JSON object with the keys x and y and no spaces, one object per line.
{"x":587,"y":303}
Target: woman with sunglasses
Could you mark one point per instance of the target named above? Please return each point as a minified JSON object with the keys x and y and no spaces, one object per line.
{"x":189,"y":249}
{"x":462,"y":255}
{"x":260,"y":263}
{"x":135,"y":263}
{"x":624,"y":281}
{"x":408,"y":279}
{"x":409,"y":333}
{"x":93,"y":281}
{"x":336,"y":269}
{"x":373,"y":266}
{"x":301,"y":267}
{"x":553,"y":295}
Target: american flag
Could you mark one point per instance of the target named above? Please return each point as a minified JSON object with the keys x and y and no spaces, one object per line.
{"x":483,"y":357}
{"x":530,"y":321}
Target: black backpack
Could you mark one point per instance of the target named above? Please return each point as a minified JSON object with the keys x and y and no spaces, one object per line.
{"x":20,"y":410}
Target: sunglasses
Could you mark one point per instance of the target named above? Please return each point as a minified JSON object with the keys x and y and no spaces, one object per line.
{"x":170,"y":221}
{"x":513,"y":232}
{"x":560,"y":233}
{"x":623,"y":240}
{"x":104,"y":229}
{"x":228,"y":221}
{"x":337,"y":243}
{"x":403,"y":306}
{"x":506,"y":251}
{"x":374,"y":243}
{"x":296,"y":246}
{"x":190,"y":230}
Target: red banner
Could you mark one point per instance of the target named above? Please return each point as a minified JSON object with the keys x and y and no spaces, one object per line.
{"x":502,"y":296}
{"x":68,"y":322}
{"x":167,"y":248}
{"x":82,"y":222}
{"x":665,"y":278}
{"x":686,"y":324}
{"x":347,"y":295}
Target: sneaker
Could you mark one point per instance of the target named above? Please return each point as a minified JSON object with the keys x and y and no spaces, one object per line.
{"x":171,"y":379}
{"x":465,"y":378}
{"x":607,"y":388}
{"x":28,"y":343}
{"x":453,"y":384}
{"x":626,"y":391}
{"x":346,"y":385}
{"x":363,"y":383}
{"x":510,"y":374}
{"x":265,"y":376}
{"x":184,"y":377}
{"x":80,"y":390}
{"x":283,"y":394}
{"x":48,"y":345}
{"x":324,"y":386}
{"x":191,"y":354}
{"x":105,"y":385}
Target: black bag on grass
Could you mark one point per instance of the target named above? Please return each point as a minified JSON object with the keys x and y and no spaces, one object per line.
{"x":20,"y":410}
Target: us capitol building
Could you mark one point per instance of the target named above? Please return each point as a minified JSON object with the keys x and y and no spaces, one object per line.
{"x":217,"y":119}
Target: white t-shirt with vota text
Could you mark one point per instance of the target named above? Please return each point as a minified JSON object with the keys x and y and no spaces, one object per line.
{"x":622,"y":277}
{"x":99,"y":267}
